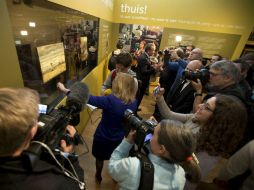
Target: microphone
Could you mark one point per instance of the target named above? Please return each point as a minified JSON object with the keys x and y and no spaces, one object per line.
{"x":78,"y":96}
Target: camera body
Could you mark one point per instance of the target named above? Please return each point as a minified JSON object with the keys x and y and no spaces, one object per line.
{"x":52,"y":126}
{"x":202,"y":74}
{"x":144,"y":129}
{"x":166,"y":52}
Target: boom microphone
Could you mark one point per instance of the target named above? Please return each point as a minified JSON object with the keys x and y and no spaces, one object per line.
{"x":77,"y":97}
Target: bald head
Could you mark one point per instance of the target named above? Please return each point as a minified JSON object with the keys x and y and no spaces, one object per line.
{"x":194,"y":65}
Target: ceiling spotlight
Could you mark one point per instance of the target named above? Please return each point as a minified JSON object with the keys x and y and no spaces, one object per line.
{"x":32,"y":24}
{"x":23,"y":33}
{"x":178,"y":38}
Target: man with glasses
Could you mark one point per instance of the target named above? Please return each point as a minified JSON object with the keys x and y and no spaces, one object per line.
{"x":224,"y":78}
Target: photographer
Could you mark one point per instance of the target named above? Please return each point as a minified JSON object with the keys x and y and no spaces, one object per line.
{"x":181,"y":95}
{"x":219,"y":124}
{"x":224,"y":78}
{"x":18,"y":125}
{"x":172,"y":148}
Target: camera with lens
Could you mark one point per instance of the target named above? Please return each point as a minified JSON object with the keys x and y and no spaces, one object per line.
{"x":52,"y":124}
{"x":202,"y":74}
{"x":144,"y":128}
{"x":166,"y":52}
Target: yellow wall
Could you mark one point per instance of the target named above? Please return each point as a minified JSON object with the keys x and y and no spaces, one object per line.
{"x":210,"y":42}
{"x":220,"y":16}
{"x":105,"y":39}
{"x":10,"y":74}
{"x":99,"y":8}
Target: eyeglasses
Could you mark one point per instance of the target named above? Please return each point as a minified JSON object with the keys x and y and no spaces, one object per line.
{"x":214,"y":74}
{"x":205,"y":106}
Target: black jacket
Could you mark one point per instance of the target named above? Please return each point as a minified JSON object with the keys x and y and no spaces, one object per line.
{"x":17,"y":174}
{"x":144,"y":68}
{"x":181,"y":101}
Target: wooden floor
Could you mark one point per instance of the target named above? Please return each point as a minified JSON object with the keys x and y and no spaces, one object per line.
{"x":87,"y":161}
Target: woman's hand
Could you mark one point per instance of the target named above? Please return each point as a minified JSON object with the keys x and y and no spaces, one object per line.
{"x":60,"y":86}
{"x":158,"y":92}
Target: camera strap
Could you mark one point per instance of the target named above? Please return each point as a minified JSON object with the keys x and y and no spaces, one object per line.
{"x":147,"y":172}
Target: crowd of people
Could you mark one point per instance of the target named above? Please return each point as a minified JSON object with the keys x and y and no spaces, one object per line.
{"x":204,"y":113}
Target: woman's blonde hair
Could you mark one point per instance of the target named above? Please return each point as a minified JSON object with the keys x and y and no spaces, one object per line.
{"x":125,"y":87}
{"x":18,"y":114}
{"x":181,"y":144}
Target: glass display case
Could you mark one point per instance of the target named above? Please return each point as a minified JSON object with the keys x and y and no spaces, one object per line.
{"x":53,"y":43}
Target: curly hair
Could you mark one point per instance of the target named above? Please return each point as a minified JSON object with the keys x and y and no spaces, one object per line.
{"x":224,"y":130}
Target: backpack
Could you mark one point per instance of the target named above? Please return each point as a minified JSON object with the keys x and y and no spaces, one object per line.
{"x":112,"y":61}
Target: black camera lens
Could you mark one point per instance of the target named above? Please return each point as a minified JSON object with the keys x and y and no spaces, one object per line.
{"x":143,"y":128}
{"x":132,"y":120}
{"x":202,"y":74}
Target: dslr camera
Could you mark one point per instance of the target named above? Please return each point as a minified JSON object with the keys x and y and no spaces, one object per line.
{"x":166,"y":52}
{"x":144,"y":129}
{"x":202,"y":74}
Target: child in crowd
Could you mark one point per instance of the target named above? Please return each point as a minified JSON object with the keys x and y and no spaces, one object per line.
{"x":123,"y":64}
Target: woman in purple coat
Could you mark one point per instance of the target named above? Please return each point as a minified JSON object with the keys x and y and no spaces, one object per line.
{"x":110,"y":131}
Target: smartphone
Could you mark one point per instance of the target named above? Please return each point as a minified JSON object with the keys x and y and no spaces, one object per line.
{"x":148,"y":138}
{"x":156,"y":90}
{"x":42,"y":108}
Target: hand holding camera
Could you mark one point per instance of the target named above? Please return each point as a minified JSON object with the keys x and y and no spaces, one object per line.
{"x":197,"y":85}
{"x":66,"y":144}
{"x":137,"y":129}
{"x":131,"y":136}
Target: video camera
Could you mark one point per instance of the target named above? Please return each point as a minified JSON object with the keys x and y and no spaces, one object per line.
{"x":203,"y":75}
{"x":52,"y":126}
{"x":144,"y":129}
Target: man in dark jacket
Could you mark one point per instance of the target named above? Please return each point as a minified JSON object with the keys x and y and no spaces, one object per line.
{"x":20,"y":168}
{"x":181,"y":96}
{"x":224,"y":79}
{"x":145,"y":69}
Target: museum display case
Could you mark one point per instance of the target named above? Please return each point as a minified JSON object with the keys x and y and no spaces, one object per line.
{"x":54,"y":43}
